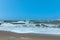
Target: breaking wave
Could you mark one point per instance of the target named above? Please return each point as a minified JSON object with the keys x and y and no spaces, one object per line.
{"x":18,"y":29}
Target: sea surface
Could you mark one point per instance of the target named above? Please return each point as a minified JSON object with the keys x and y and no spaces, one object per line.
{"x":18,"y":29}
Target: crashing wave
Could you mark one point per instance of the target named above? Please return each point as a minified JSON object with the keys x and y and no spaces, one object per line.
{"x":13,"y":28}
{"x":31,"y":28}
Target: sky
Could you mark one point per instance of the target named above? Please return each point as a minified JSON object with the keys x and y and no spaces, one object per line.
{"x":29,"y":9}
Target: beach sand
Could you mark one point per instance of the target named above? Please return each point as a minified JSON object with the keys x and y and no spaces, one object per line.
{"x":4,"y":35}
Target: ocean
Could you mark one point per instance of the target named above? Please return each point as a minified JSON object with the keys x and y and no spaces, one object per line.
{"x":38,"y":30}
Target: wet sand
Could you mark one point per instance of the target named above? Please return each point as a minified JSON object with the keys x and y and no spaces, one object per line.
{"x":4,"y":35}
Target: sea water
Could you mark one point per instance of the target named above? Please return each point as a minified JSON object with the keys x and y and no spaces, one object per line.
{"x":38,"y":30}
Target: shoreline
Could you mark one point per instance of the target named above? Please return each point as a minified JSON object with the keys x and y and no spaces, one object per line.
{"x":27,"y":36}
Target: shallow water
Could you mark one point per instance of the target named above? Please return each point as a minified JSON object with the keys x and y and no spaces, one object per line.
{"x":38,"y":30}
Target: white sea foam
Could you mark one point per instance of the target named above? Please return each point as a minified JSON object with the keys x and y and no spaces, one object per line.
{"x":17,"y":29}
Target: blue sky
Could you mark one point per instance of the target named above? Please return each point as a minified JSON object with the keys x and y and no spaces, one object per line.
{"x":29,"y":9}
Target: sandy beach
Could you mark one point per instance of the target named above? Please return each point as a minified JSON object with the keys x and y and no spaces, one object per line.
{"x":4,"y":35}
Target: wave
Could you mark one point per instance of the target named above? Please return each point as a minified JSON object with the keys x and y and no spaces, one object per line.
{"x":18,"y":29}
